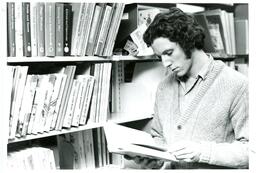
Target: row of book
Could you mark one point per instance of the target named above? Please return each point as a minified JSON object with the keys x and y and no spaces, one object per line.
{"x":62,"y":29}
{"x":35,"y":158}
{"x":226,"y":34}
{"x":86,"y":149}
{"x":223,"y":32}
{"x":72,"y":96}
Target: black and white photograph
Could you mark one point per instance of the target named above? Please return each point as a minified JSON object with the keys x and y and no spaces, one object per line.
{"x":127,"y":85}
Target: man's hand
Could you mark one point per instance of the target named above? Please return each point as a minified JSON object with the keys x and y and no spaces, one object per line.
{"x":187,"y":151}
{"x":146,"y":163}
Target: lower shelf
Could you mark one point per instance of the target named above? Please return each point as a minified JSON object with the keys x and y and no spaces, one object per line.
{"x":115,"y":119}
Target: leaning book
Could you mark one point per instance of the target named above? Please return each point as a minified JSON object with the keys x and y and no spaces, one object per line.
{"x":127,"y":141}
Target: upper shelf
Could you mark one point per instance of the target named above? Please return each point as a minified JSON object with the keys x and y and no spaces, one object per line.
{"x":13,"y":60}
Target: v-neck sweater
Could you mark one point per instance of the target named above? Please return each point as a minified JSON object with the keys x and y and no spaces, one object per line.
{"x":217,"y":117}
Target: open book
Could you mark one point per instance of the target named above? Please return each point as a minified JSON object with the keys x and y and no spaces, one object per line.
{"x":132,"y":142}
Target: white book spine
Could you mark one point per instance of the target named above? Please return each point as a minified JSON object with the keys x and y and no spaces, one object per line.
{"x":18,"y":29}
{"x":71,"y":104}
{"x":33,"y":29}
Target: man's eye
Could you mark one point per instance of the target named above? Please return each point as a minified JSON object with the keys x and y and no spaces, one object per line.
{"x":169,"y":53}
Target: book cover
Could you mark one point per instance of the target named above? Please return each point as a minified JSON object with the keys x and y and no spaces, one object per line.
{"x":146,"y":16}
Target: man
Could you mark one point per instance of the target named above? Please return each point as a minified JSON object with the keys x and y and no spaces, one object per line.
{"x":201,"y":108}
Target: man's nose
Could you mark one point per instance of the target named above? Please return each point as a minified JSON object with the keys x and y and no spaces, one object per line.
{"x":166,"y":60}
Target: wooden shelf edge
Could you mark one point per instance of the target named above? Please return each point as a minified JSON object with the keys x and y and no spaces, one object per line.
{"x":76,"y":129}
{"x":56,"y":59}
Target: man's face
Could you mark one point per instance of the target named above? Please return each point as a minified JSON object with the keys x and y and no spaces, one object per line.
{"x":172,"y":55}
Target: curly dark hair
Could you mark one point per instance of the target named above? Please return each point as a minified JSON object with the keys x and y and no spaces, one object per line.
{"x":178,"y":27}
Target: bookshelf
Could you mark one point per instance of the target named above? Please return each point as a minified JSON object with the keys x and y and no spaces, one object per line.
{"x":79,"y":58}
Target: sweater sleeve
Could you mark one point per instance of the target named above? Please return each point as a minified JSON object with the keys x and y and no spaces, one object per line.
{"x":156,"y":128}
{"x":233,"y":154}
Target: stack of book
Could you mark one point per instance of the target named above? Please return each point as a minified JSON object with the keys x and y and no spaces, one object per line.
{"x":35,"y":158}
{"x":85,"y":149}
{"x":62,"y":29}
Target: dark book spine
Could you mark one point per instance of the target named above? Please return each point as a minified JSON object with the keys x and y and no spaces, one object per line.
{"x":67,"y":29}
{"x":26,"y":29}
{"x":59,"y":29}
{"x":11,"y":49}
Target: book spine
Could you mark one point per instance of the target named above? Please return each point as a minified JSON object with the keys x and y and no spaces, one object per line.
{"x":80,"y":100}
{"x":87,"y":100}
{"x":18,"y":29}
{"x":67,"y":29}
{"x":56,"y":112}
{"x":41,"y":28}
{"x":242,"y":36}
{"x":70,"y":72}
{"x":59,"y":29}
{"x":22,"y":75}
{"x":50,"y":29}
{"x":71,"y":105}
{"x":86,"y":29}
{"x":32,"y":91}
{"x":46,"y":107}
{"x":93,"y":30}
{"x":114,"y":30}
{"x":11,"y":29}
{"x":53,"y":101}
{"x":103,"y":30}
{"x":26,"y":29}
{"x":78,"y":13}
{"x":24,"y":106}
{"x":81,"y":29}
{"x":33,"y":7}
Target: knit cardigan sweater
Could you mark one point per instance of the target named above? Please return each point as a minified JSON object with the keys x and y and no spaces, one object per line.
{"x":217,"y":118}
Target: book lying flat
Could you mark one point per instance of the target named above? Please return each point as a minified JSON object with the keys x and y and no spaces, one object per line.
{"x":127,"y":141}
